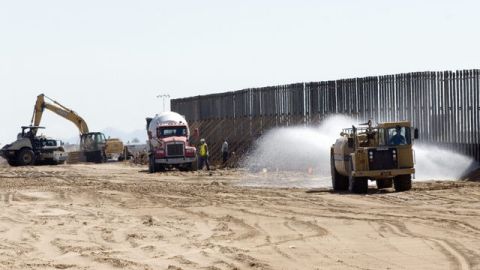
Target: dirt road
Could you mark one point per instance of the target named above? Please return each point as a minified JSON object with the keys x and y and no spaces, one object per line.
{"x":115,"y":216}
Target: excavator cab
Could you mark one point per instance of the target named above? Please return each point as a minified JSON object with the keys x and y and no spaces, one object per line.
{"x":93,"y":145}
{"x":92,"y":141}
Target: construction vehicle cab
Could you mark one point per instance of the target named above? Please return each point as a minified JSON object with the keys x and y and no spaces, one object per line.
{"x":381,"y":153}
{"x":93,"y":145}
{"x":30,"y":149}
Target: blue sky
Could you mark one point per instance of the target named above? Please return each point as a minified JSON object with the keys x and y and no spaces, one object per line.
{"x":108,"y":60}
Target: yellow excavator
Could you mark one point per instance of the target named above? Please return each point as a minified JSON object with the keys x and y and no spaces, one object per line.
{"x":93,"y":145}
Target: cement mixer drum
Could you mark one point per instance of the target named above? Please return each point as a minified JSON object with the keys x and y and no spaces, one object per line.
{"x":167,"y":118}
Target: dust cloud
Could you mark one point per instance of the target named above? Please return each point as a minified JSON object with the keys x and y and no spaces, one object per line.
{"x":304,"y":152}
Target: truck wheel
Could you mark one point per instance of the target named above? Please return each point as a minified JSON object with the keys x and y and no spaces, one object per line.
{"x":12,"y":162}
{"x":339,"y":182}
{"x":403,"y":182}
{"x":160,"y":168}
{"x":384,"y":183}
{"x":25,"y":157}
{"x":358,"y":185}
{"x":151,"y":165}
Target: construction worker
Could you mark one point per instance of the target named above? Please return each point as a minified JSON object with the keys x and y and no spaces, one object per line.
{"x":225,"y":152}
{"x":203,"y":155}
{"x":398,"y":138}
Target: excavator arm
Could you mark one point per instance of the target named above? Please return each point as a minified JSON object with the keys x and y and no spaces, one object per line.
{"x":92,"y":144}
{"x":59,"y":109}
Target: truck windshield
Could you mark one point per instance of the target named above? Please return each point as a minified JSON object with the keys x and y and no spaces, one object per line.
{"x":171,"y":131}
{"x":397,"y":136}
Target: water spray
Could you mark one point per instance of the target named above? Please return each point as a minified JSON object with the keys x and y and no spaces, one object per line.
{"x":300,"y":157}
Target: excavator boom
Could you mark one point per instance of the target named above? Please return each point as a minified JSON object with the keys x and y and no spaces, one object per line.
{"x":92,"y":144}
{"x":59,"y":109}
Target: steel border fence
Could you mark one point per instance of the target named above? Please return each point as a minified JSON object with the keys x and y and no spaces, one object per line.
{"x":444,"y":105}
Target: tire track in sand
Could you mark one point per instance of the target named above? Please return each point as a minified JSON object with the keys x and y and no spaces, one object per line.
{"x":453,"y":254}
{"x":450,"y":251}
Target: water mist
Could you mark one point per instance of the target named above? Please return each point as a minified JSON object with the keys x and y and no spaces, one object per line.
{"x":300,"y":157}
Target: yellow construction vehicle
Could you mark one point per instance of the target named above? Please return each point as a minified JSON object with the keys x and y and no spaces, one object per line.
{"x":381,"y":153}
{"x":92,"y":144}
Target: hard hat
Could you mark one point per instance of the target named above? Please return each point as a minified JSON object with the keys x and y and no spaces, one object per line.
{"x":202,"y":140}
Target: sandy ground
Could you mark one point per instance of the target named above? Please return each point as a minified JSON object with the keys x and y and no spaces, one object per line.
{"x":117,"y":216}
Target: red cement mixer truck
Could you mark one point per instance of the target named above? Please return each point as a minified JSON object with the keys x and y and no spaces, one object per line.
{"x":168,"y":145}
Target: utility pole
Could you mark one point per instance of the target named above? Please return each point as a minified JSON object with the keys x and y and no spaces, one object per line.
{"x":163,"y":96}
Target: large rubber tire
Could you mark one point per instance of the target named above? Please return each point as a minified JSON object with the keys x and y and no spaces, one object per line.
{"x":384,"y":183}
{"x":12,"y":162}
{"x":25,"y":157}
{"x":403,"y":182}
{"x":339,"y":182}
{"x":358,"y":185}
{"x":160,"y":168}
